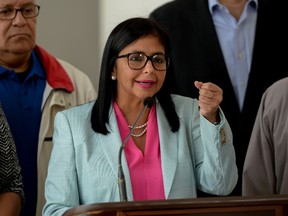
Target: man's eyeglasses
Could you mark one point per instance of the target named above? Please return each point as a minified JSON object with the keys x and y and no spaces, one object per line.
{"x":137,"y":61}
{"x":28,"y":11}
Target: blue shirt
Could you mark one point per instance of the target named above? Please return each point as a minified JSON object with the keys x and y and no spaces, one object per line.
{"x":21,"y":101}
{"x":236,"y":39}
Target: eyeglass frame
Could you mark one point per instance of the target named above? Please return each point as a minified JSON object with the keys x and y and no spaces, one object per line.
{"x":167,"y":58}
{"x":16,"y":10}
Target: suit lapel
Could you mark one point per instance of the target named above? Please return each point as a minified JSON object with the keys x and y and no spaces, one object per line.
{"x":168,"y":148}
{"x":111,"y":145}
{"x":205,"y":30}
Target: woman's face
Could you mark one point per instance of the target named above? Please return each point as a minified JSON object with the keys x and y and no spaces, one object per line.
{"x":138,"y":84}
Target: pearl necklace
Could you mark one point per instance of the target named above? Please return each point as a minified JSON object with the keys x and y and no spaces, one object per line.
{"x":139,"y":127}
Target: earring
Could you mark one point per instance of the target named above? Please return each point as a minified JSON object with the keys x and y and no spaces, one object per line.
{"x":113,"y":77}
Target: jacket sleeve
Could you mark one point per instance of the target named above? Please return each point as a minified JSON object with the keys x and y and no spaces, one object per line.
{"x":10,"y":178}
{"x":262,"y":168}
{"x":216,"y":168}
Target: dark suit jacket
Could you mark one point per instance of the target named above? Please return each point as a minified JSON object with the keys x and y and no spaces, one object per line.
{"x":196,"y":55}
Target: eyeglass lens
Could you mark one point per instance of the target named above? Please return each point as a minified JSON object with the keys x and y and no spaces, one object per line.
{"x":139,"y":60}
{"x":28,"y":11}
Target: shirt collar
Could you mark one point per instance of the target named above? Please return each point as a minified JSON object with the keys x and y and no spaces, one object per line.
{"x":35,"y":68}
{"x":213,"y":4}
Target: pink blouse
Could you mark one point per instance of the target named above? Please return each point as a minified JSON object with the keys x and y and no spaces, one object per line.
{"x":145,"y":170}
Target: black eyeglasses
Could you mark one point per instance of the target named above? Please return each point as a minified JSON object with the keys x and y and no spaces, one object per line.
{"x":137,"y":61}
{"x":28,"y":11}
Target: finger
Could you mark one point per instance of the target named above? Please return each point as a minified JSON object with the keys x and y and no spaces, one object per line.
{"x":198,"y":84}
{"x":207,"y":93}
{"x":212,"y":94}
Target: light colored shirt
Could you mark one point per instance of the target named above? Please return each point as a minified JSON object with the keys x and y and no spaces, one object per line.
{"x":145,"y":169}
{"x":236,"y":39}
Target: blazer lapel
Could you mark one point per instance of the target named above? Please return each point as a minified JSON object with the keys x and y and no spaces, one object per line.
{"x":111,"y":144}
{"x":168,"y":145}
{"x":168,"y":148}
{"x":205,"y":29}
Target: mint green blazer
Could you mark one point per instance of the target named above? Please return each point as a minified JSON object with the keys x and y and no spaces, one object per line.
{"x":83,"y":167}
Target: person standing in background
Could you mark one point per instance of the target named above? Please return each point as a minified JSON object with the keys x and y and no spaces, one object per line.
{"x":232,"y":43}
{"x":266,"y":168}
{"x":11,"y":184}
{"x":34,"y":86}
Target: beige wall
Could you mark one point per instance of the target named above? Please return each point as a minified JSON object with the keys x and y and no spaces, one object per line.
{"x":76,"y":30}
